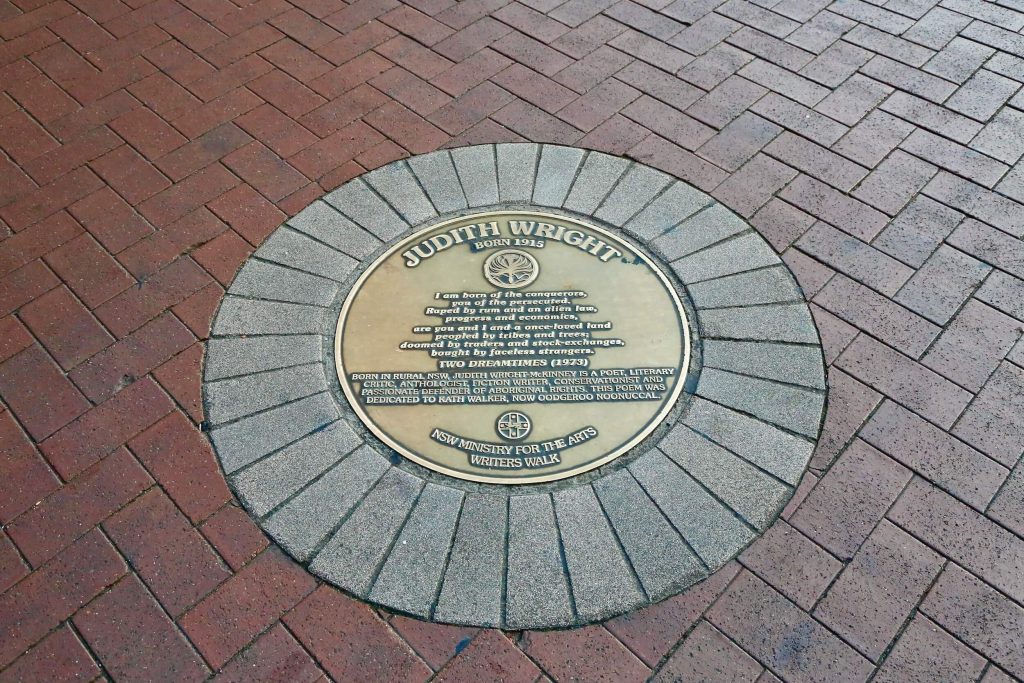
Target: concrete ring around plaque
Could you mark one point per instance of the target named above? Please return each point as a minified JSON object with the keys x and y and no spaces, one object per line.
{"x":514,"y":385}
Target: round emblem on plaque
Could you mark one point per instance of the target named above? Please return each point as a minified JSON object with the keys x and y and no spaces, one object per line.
{"x":511,"y":269}
{"x":513,"y":426}
{"x":465,"y":319}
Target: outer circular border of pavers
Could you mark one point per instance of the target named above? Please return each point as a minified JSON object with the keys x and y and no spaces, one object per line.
{"x":641,"y":529}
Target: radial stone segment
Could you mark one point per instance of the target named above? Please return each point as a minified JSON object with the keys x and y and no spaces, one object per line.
{"x":521,"y":386}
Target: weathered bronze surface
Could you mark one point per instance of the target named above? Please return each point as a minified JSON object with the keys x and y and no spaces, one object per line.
{"x":512,"y":347}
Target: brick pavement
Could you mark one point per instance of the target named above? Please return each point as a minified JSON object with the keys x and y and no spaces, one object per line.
{"x":149,"y":145}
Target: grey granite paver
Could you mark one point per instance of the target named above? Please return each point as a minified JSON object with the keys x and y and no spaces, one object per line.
{"x":266,"y":484}
{"x":436,"y":173}
{"x":710,"y":528}
{"x":634,"y":191}
{"x":397,"y":184}
{"x":537,"y":592}
{"x":232,"y":356}
{"x":556,"y":172}
{"x":713,"y":224}
{"x":743,"y":253}
{"x":517,"y":166}
{"x":780,"y":323}
{"x":411,"y":576}
{"x":353,"y":555}
{"x":325,"y":223}
{"x":299,"y":251}
{"x":672,"y":207}
{"x":754,"y":495}
{"x":245,"y":441}
{"x":768,"y":447}
{"x":239,"y":316}
{"x":782,"y":362}
{"x":230,"y":399}
{"x":770,"y":285}
{"x":596,"y":179}
{"x":304,"y":521}
{"x":477,"y":173}
{"x":603,"y":583}
{"x":475,"y":577}
{"x":365,"y":208}
{"x":794,"y":408}
{"x":659,"y":556}
{"x":263,"y":280}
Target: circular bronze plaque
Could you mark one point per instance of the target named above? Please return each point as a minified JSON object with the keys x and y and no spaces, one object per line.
{"x":512,"y":347}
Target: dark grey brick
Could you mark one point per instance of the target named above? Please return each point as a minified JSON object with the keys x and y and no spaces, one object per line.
{"x":936,"y":28}
{"x":855,"y":258}
{"x":982,"y":95}
{"x":958,"y":60}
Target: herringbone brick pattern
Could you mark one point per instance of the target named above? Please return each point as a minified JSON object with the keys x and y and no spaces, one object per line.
{"x":149,"y":145}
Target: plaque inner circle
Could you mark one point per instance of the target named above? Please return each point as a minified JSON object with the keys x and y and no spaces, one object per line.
{"x":512,"y":347}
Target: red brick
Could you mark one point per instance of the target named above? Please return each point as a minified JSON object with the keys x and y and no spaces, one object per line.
{"x":359,"y":13}
{"x":342,"y":111}
{"x":277,"y":131}
{"x":96,"y":114}
{"x":350,"y":641}
{"x":475,"y":105}
{"x":132,"y":357}
{"x":417,"y":25}
{"x":242,"y":18}
{"x":382,"y":153}
{"x":351,"y":169}
{"x":58,"y":657}
{"x":36,"y":240}
{"x":71,"y":155}
{"x":192,"y":30}
{"x":167,"y":552}
{"x":24,"y":285}
{"x":979,"y":616}
{"x":850,"y":403}
{"x":203,"y":151}
{"x":81,"y":32}
{"x":246,"y":604}
{"x":53,"y":593}
{"x":178,"y":62}
{"x":12,"y":567}
{"x":14,"y":183}
{"x":65,"y":327}
{"x":411,"y":90}
{"x":146,"y":257}
{"x":652,"y":631}
{"x":110,"y":220}
{"x":413,"y":56}
{"x":786,"y":639}
{"x":27,"y":477}
{"x":333,"y":151}
{"x":164,"y":96}
{"x":615,"y":136}
{"x":876,"y":593}
{"x":89,"y":270}
{"x":38,"y":393}
{"x":492,"y":656}
{"x":134,"y":638}
{"x":180,"y":377}
{"x":195,"y":121}
{"x":197,"y":311}
{"x":925,"y":652}
{"x":131,"y":309}
{"x":435,"y":643}
{"x":145,"y":15}
{"x":356,"y":42}
{"x":130,"y":175}
{"x":275,"y":657}
{"x":266,"y":171}
{"x":248,"y":213}
{"x":13,"y":337}
{"x":534,"y":88}
{"x":296,"y":60}
{"x":285,"y":93}
{"x":43,"y":99}
{"x":588,"y":653}
{"x":105,"y":427}
{"x":56,"y":521}
{"x":471,"y":72}
{"x":354,"y":72}
{"x":234,"y":535}
{"x":847,"y":503}
{"x":24,"y":139}
{"x":792,"y":564}
{"x":707,"y":655}
{"x":49,"y":199}
{"x":241,"y":45}
{"x":660,"y":153}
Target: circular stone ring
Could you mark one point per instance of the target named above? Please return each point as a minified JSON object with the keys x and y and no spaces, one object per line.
{"x":514,"y":385}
